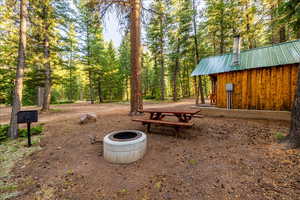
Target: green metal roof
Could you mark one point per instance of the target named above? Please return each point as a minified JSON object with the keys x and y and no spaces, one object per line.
{"x":278,"y":54}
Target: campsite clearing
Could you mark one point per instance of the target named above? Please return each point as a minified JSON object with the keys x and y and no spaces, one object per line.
{"x":225,"y":158}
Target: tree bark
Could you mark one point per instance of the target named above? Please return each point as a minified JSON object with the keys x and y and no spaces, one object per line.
{"x":175,"y":73}
{"x":136,"y":102}
{"x":293,"y":139}
{"x":91,"y":85}
{"x":70,"y":65}
{"x":200,"y":91}
{"x":200,"y":88}
{"x":126,"y":87}
{"x":17,"y":95}
{"x":47,"y":86}
{"x":100,"y":91}
{"x":248,"y":29}
{"x":298,"y":34}
{"x":282,"y":35}
{"x":162,"y":68}
{"x":222,"y":36}
{"x":88,"y":63}
{"x":153,"y":90}
{"x":273,"y":40}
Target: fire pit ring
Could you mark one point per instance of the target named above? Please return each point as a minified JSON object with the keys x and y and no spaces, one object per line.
{"x":124,"y":146}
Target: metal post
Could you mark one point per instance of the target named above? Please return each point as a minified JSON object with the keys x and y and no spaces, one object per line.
{"x":28,"y":134}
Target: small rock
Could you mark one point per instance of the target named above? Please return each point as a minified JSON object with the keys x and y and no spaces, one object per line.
{"x":89,"y":117}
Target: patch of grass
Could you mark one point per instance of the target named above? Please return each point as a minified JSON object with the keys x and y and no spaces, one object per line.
{"x":157,"y":185}
{"x":63,"y":102}
{"x":11,"y":151}
{"x":8,"y":188}
{"x":193,"y":162}
{"x":56,"y":110}
{"x":158,"y":101}
{"x":46,"y":193}
{"x":123,"y":191}
{"x":8,"y":195}
{"x":3,"y":131}
{"x":70,"y":172}
{"x":280,"y":136}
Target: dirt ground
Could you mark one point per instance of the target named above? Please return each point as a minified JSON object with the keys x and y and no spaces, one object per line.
{"x":222,"y":158}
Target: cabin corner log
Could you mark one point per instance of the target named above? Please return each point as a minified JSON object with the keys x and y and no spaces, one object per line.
{"x":269,"y":88}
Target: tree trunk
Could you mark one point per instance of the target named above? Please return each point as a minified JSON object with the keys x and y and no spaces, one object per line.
{"x":40,"y":96}
{"x":204,"y":81}
{"x":136,"y":102}
{"x":248,"y":28}
{"x":214,"y":43}
{"x":196,"y":90}
{"x":91,"y":85}
{"x":273,"y":40}
{"x":126,"y":87}
{"x":47,"y":86}
{"x":70,"y":64}
{"x":162,"y":68}
{"x":282,"y":30}
{"x":70,"y":95}
{"x":188,"y":82}
{"x":154,"y":93}
{"x":88,"y":63}
{"x":222,"y":36}
{"x":17,"y":95}
{"x":200,"y":88}
{"x":111,"y":94}
{"x":175,"y":74}
{"x":298,"y":34}
{"x":282,"y":35}
{"x":293,"y":139}
{"x":100,"y":91}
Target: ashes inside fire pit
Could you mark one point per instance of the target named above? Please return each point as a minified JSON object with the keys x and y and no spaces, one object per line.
{"x":125,"y":136}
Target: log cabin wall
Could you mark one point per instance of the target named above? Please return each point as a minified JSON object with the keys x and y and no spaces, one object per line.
{"x":269,"y":88}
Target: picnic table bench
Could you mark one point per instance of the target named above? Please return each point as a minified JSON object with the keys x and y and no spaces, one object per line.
{"x":157,"y":115}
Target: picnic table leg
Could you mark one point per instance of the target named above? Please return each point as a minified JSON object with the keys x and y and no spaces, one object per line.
{"x":156,"y":116}
{"x":187,"y":117}
{"x":148,"y":127}
{"x":151,"y":115}
{"x":180,"y":117}
{"x":177,"y":131}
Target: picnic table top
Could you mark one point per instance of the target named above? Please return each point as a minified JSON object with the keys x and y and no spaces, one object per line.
{"x":171,"y":110}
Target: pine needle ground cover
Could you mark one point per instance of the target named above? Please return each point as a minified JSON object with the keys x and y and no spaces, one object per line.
{"x":231,"y":158}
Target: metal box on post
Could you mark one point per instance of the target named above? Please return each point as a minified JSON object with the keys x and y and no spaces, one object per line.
{"x":229,"y":87}
{"x":229,"y":91}
{"x":27,"y":116}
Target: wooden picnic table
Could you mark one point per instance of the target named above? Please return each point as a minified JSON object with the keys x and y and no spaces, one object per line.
{"x":183,"y":115}
{"x":157,"y":114}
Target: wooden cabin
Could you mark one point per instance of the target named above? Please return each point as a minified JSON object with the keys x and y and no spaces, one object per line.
{"x":264,"y":78}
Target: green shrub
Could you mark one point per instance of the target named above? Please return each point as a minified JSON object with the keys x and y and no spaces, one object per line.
{"x":62,"y":102}
{"x":65,"y":102}
{"x":149,"y":97}
{"x":3,"y":131}
{"x":36,"y":130}
{"x":279,"y":136}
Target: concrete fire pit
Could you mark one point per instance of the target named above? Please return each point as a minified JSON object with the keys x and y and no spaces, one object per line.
{"x":125,"y":146}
